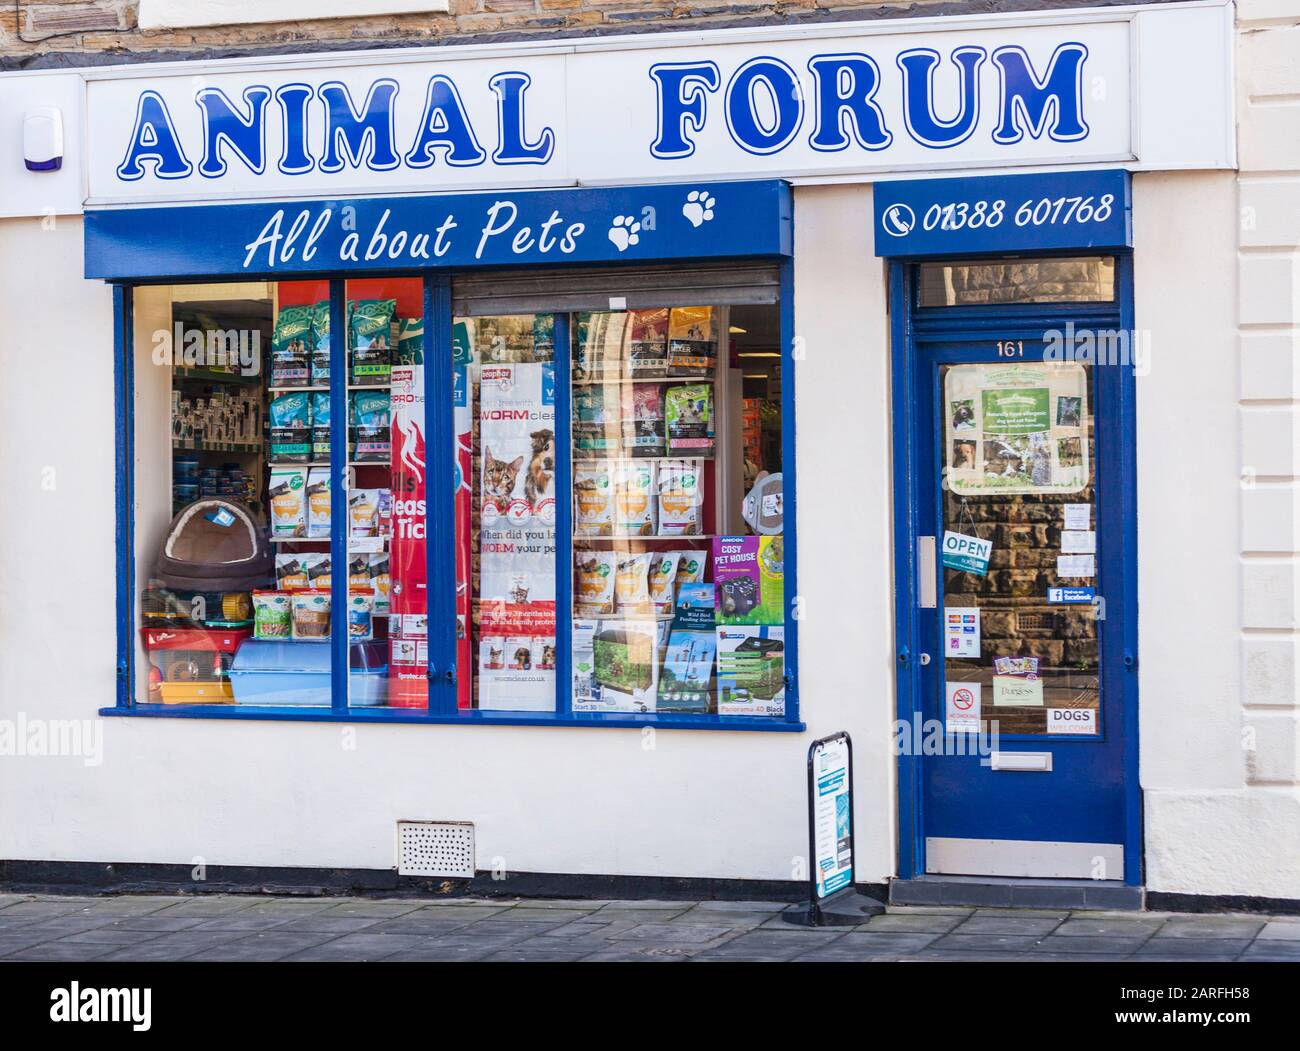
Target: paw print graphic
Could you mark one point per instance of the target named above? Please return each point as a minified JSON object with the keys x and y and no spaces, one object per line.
{"x":624,"y":232}
{"x":699,"y":207}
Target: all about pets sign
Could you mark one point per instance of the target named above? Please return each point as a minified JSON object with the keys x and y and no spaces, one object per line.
{"x":517,"y":542}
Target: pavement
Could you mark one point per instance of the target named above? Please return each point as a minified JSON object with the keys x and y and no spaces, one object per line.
{"x":142,"y":928}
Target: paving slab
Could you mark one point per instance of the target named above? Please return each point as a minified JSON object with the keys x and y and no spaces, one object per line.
{"x":1089,"y":926}
{"x":924,"y":923}
{"x":1193,"y":948}
{"x":1211,"y":927}
{"x":981,"y":923}
{"x":1280,"y":930}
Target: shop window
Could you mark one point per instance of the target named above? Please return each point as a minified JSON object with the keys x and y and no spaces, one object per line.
{"x":612,"y":542}
{"x":1080,"y":280}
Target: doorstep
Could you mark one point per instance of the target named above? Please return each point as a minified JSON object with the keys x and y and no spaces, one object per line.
{"x":998,"y":892}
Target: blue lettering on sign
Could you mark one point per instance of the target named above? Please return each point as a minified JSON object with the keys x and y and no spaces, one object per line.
{"x":762,"y":105}
{"x":1003,"y":213}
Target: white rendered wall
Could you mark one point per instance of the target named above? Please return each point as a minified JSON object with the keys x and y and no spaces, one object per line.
{"x":675,"y":803}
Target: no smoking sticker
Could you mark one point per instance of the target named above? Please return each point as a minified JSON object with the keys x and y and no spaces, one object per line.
{"x":962,"y":711}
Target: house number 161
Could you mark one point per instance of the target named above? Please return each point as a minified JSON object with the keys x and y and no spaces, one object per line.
{"x":1010,"y":349}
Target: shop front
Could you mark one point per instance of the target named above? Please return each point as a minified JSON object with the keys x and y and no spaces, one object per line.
{"x":532,"y":449}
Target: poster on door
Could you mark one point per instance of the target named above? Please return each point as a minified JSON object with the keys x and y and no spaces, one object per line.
{"x":517,"y":539}
{"x":408,"y":631}
{"x":1016,"y":428}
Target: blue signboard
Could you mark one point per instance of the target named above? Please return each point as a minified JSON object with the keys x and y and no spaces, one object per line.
{"x":1004,"y":213}
{"x":634,"y":224}
{"x":1071,"y":596}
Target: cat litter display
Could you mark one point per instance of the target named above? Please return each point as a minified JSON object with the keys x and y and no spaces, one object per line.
{"x":593,"y":585}
{"x":290,"y":340}
{"x":593,"y":498}
{"x":371,"y":328}
{"x":311,"y":615}
{"x":688,"y":413}
{"x":681,"y":497}
{"x":291,"y":435}
{"x":634,"y":498}
{"x":288,"y":492}
{"x":370,"y":414}
{"x":271,"y":615}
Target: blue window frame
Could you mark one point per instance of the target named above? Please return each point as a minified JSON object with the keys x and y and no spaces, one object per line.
{"x":155,"y":246}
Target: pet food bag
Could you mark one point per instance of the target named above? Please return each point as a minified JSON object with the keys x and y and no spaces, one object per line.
{"x":318,"y":567}
{"x":289,"y":347}
{"x":361,"y":605}
{"x":370,"y":426}
{"x":380,"y":580}
{"x":320,"y":344}
{"x":688,"y":413}
{"x":643,"y":419}
{"x":290,"y":428}
{"x":597,"y":420}
{"x":410,"y":341}
{"x":681,"y":497}
{"x":635,"y":507}
{"x":593,"y":582}
{"x":371,"y":330}
{"x":288,"y":495}
{"x":602,"y":345}
{"x":271,"y":615}
{"x":311,"y":615}
{"x":692,"y":342}
{"x":632,"y":584}
{"x":320,"y":425}
{"x":663,"y":572}
{"x":593,"y":498}
{"x":290,"y":573}
{"x":363,"y":513}
{"x":648,"y":342}
{"x":318,"y":502}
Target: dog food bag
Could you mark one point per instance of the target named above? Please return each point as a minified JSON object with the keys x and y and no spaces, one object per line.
{"x":593,"y":498}
{"x":648,"y":342}
{"x":288,"y":495}
{"x":290,"y":572}
{"x":271,"y":617}
{"x":290,"y":428}
{"x":320,"y":425}
{"x":363,"y":513}
{"x":320,"y":344}
{"x":543,"y":337}
{"x":602,"y":345}
{"x":361,"y":607}
{"x":410,"y":341}
{"x":371,"y":328}
{"x":663,"y":572}
{"x":643,"y":419}
{"x":311,"y":615}
{"x":597,"y":420}
{"x":692,"y":342}
{"x":593,"y":582}
{"x":370,"y":426}
{"x":681,"y":497}
{"x":635,"y":508}
{"x":632,"y":583}
{"x":289,"y":347}
{"x":318,"y":502}
{"x":688,"y":414}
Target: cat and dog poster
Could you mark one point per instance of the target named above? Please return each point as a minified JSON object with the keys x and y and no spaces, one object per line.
{"x":517,"y":539}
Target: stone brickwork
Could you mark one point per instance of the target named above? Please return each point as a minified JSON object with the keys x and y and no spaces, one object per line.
{"x":46,"y":33}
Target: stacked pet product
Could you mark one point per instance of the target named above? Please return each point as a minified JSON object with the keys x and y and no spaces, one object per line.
{"x":643,"y":437}
{"x":274,"y":668}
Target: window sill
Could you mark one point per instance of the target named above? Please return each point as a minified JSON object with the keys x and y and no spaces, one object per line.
{"x":614,"y":720}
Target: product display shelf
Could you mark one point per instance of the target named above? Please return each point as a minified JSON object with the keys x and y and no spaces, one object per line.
{"x":616,"y":380}
{"x":189,"y":445}
{"x":194,"y":375}
{"x":644,"y":536}
{"x":292,"y":390}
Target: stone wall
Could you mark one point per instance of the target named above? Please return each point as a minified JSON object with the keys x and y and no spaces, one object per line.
{"x":47,"y":33}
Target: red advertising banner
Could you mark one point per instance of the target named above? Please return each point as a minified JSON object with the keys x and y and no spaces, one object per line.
{"x":408,"y":625}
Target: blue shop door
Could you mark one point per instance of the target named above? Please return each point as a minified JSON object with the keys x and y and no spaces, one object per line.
{"x":1021,"y":658}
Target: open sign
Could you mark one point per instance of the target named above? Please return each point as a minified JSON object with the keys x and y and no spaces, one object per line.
{"x":969,"y":554}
